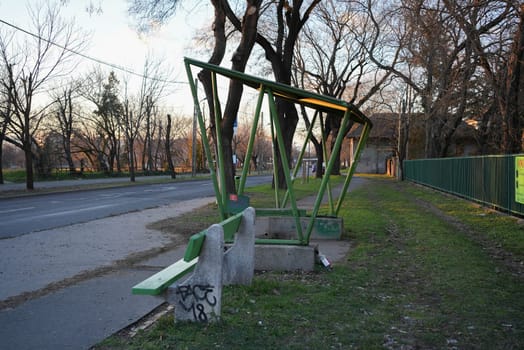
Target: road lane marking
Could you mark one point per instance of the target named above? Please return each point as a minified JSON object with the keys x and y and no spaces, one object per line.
{"x":15,"y":210}
{"x":163,"y":189}
{"x":74,"y":211}
{"x":117,"y":195}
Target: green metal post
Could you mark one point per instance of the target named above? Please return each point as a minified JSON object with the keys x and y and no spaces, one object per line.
{"x":219,"y":149}
{"x":325,"y":179}
{"x":207,"y":149}
{"x":273,"y":148}
{"x":292,"y":95}
{"x":251,"y":142}
{"x":300,"y":157}
{"x":285,"y":166}
{"x":352,"y":169}
{"x":324,"y":152}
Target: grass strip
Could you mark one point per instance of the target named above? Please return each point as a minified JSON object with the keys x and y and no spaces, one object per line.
{"x":412,"y":280}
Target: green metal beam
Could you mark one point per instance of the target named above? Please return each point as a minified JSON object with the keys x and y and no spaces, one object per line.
{"x":219,"y":147}
{"x":325,"y":179}
{"x":287,"y":92}
{"x":300,"y":157}
{"x":325,"y":154}
{"x":203,"y":132}
{"x":273,"y":90}
{"x":250,"y":144}
{"x":353,"y":167}
{"x":285,"y":164}
{"x":274,"y":151}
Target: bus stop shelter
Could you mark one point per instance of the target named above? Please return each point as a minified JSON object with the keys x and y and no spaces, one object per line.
{"x":270,"y":90}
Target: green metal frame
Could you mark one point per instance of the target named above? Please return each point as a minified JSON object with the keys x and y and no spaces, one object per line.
{"x":272,"y":90}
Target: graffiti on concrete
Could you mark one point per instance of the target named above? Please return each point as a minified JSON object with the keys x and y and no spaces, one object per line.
{"x":198,"y":300}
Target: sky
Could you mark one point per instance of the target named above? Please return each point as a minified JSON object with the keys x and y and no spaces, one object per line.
{"x":114,"y":40}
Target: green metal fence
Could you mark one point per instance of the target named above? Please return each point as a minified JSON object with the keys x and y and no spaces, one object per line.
{"x":488,"y":179}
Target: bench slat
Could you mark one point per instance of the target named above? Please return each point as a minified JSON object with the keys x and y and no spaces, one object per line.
{"x":194,"y":245}
{"x":157,"y":283}
{"x":231,"y":225}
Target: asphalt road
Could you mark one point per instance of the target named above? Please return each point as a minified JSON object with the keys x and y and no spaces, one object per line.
{"x":23,"y":215}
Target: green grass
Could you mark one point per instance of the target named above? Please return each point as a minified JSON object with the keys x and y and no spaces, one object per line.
{"x":14,"y":175}
{"x":263,"y":196}
{"x":412,"y":280}
{"x":18,"y":175}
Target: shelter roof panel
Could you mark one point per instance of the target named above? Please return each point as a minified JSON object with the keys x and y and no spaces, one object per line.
{"x":293,"y":94}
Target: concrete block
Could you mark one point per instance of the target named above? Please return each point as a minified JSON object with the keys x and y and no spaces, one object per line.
{"x":284,"y":227}
{"x":239,"y":259}
{"x":284,"y":257}
{"x":199,"y":297}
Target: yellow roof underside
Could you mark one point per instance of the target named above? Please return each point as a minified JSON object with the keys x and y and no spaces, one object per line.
{"x":320,"y":103}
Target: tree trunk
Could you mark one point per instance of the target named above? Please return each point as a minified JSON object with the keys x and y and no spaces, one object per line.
{"x":219,"y":51}
{"x":1,"y":162}
{"x":288,"y":118}
{"x":29,"y":174}
{"x":131,"y":147}
{"x":403,"y":135}
{"x":239,"y":61}
{"x":320,"y":160}
{"x":68,"y":156}
{"x":27,"y":143}
{"x":116,"y":153}
{"x":67,"y":129}
{"x":2,"y":136}
{"x":216,"y":58}
{"x":167,"y":144}
{"x":515,"y":91}
{"x":149,"y":143}
{"x":333,"y":122}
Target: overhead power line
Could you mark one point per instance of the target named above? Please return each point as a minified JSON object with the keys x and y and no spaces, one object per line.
{"x":94,"y":59}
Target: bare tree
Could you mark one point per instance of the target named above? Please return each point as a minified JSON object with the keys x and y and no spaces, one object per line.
{"x":5,"y":119}
{"x":91,"y":141}
{"x":66,"y":118}
{"x":161,"y":10}
{"x":440,"y":60}
{"x":278,"y":43}
{"x":104,"y":93}
{"x":167,"y":146}
{"x":278,"y":46}
{"x":333,"y":60}
{"x":248,"y":31}
{"x":181,"y":141}
{"x":142,"y":109}
{"x":45,"y":54}
{"x":131,"y":121}
{"x":494,"y":33}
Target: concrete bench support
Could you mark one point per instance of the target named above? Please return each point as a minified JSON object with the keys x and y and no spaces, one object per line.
{"x":199,"y":297}
{"x":239,"y":261}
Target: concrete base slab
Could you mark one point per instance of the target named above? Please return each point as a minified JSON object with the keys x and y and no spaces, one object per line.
{"x":284,"y":257}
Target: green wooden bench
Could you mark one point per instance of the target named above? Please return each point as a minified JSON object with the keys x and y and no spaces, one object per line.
{"x":160,"y":281}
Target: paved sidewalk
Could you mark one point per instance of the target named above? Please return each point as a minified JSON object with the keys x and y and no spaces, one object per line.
{"x":68,"y":288}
